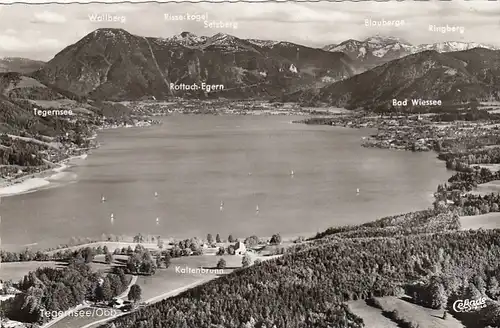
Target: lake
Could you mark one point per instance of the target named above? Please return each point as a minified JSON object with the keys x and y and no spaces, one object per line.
{"x":196,"y":163}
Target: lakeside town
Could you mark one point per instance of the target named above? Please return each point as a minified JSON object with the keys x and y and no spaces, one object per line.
{"x":418,"y":131}
{"x":225,"y":107}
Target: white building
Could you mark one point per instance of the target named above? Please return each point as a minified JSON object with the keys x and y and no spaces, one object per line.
{"x":239,"y":248}
{"x":117,"y":303}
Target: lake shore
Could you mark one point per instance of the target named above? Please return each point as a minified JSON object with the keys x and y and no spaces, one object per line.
{"x":41,"y":180}
{"x":32,"y":182}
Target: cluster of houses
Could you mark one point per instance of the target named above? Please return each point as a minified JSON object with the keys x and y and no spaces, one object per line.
{"x":5,"y":294}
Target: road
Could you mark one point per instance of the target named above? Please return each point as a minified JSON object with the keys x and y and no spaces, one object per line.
{"x":133,"y":281}
{"x":152,"y":300}
{"x":82,"y":306}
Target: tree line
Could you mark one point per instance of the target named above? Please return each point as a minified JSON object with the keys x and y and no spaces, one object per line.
{"x":56,"y":289}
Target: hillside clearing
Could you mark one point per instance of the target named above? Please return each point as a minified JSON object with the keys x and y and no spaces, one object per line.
{"x":371,"y":315}
{"x":489,"y":187}
{"x":485,"y":221}
{"x":420,"y":316}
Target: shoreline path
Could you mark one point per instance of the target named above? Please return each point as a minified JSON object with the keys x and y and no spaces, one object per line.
{"x":152,"y":300}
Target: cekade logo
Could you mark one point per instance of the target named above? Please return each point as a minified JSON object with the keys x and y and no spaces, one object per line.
{"x":469,"y":305}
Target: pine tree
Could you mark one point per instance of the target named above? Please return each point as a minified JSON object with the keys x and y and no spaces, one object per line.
{"x":246,"y":261}
{"x":493,"y":288}
{"x":221,"y":264}
{"x":135,"y":293}
{"x":108,"y":258}
{"x":167,"y":260}
{"x":438,"y":295}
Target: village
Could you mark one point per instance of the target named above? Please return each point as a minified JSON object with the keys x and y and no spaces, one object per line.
{"x":223,"y":107}
{"x":414,"y":132}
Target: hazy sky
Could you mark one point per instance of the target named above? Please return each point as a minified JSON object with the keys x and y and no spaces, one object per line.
{"x":40,"y":31}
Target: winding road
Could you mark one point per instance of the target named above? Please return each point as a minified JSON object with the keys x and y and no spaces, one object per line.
{"x":152,"y":300}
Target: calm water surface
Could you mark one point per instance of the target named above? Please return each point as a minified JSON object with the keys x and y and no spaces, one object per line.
{"x":196,"y":162}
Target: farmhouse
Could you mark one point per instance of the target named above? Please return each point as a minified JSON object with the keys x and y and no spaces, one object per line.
{"x":118,"y":303}
{"x":239,"y":248}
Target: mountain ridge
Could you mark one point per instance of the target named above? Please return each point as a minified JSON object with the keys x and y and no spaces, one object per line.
{"x":19,"y":65}
{"x":453,"y":77}
{"x":114,"y":64}
{"x":378,"y":50}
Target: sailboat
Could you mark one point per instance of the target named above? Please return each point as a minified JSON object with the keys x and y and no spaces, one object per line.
{"x":357,"y":191}
{"x":112,"y":217}
{"x":157,"y":220}
{"x":103,"y":199}
{"x":257,"y":209}
{"x":156,"y":194}
{"x":292,"y":173}
{"x":221,"y":208}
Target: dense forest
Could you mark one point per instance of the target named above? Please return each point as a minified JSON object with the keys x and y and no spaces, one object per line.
{"x":307,"y":288}
{"x":55,"y":289}
{"x":59,"y":289}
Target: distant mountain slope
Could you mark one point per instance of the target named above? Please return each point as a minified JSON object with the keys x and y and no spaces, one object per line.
{"x":20,"y":94}
{"x":19,"y":65}
{"x":61,"y":126}
{"x":378,"y":50}
{"x":113,"y":64}
{"x":451,"y":77}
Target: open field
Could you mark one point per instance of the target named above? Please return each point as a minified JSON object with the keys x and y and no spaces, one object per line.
{"x":166,"y":280}
{"x":489,"y":187}
{"x":17,"y":270}
{"x":485,"y":221}
{"x":165,"y":283}
{"x":90,"y":315}
{"x":492,"y":167}
{"x":421,"y":316}
{"x":372,"y":316}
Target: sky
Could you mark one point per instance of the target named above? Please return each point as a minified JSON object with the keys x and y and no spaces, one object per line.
{"x":41,"y":31}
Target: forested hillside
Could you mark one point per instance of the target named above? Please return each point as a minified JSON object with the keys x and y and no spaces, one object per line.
{"x":308,"y":286}
{"x":30,"y":142}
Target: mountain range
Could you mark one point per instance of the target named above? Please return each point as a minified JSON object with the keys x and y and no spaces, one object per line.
{"x":116,"y":65}
{"x":452,"y":77}
{"x":379,"y":50}
{"x":113,"y":64}
{"x":19,"y":65}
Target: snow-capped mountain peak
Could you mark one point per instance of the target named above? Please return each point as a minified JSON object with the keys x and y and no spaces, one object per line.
{"x":264,"y":43}
{"x":450,"y":46}
{"x":379,"y":49}
{"x":188,"y":39}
